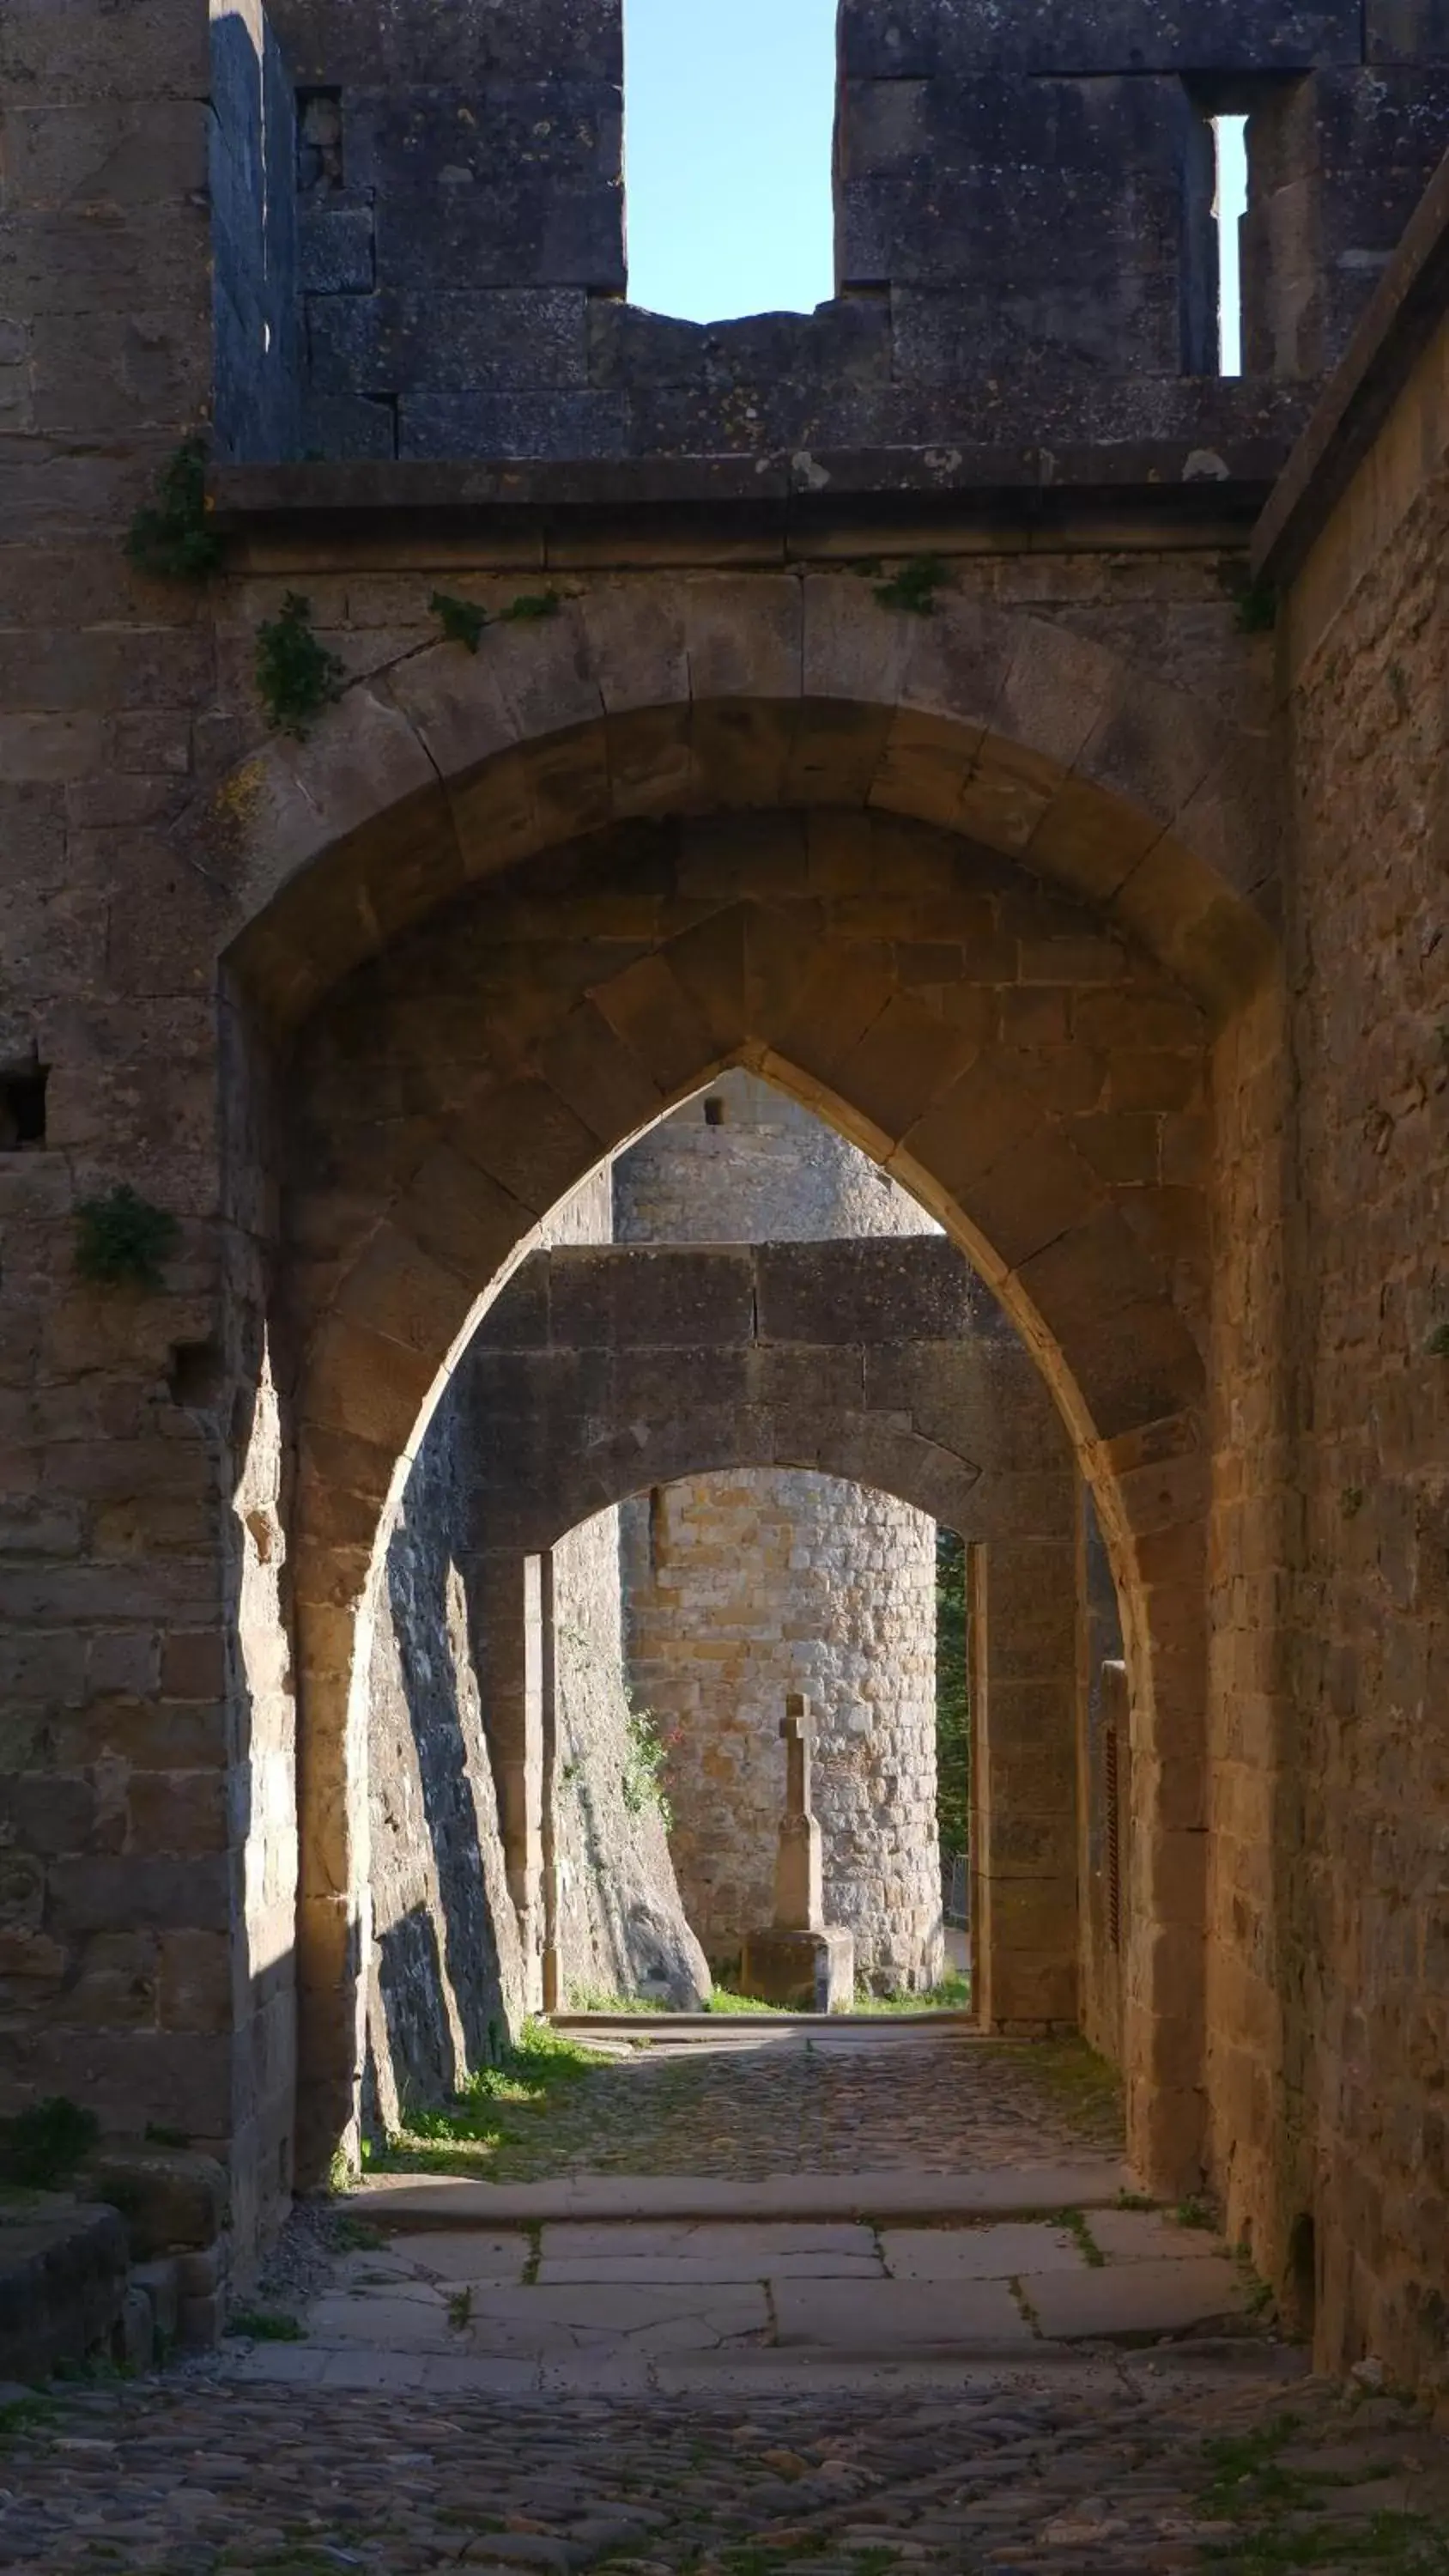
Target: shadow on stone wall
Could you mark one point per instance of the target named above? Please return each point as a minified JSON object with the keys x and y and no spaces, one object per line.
{"x":446,"y":1984}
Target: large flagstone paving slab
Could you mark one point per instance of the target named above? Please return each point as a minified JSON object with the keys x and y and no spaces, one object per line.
{"x":881,"y":2315}
{"x":1138,"y":2298}
{"x":977,"y":2253}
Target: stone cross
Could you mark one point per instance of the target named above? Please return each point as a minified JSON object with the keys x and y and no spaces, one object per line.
{"x":798,"y":1731}
{"x":799,"y":1878}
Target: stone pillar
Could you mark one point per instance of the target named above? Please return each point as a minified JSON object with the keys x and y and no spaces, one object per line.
{"x":802,"y":1962}
{"x":1022,"y":1607}
{"x":509,"y":1628}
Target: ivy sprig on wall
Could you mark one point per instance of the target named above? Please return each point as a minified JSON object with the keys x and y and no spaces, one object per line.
{"x":913,"y":589}
{"x":462,"y":620}
{"x":172,"y":537}
{"x":122,"y":1240}
{"x":296,"y":674}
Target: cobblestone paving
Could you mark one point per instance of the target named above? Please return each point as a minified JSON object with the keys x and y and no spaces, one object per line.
{"x":1123,"y":2466}
{"x":863,"y":2103}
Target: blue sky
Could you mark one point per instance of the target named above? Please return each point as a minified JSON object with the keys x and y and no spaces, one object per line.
{"x":729,"y":111}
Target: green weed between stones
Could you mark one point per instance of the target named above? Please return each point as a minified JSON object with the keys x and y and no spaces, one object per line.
{"x":296,"y":674}
{"x":121,"y":1240}
{"x":462,"y":620}
{"x":914,"y":587}
{"x":466,"y":622}
{"x":42,"y":2146}
{"x":266,"y":2325}
{"x":1076,"y":2223}
{"x":1273,"y":2505}
{"x":172,"y":537}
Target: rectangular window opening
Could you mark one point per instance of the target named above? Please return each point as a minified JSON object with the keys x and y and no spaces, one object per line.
{"x":729,"y":139}
{"x":714,"y":1113}
{"x":319,"y":141}
{"x":22,"y":1109}
{"x":1230,"y":205}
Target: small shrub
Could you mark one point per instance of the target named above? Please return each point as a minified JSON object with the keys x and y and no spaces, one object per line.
{"x":296,"y":675}
{"x":266,"y":2325}
{"x":122,"y":1241}
{"x":42,"y":2146}
{"x":462,"y":620}
{"x":172,"y":537}
{"x":1194,"y":2212}
{"x":530,"y":608}
{"x":645,"y":1760}
{"x":913,"y":589}
{"x":1255,"y":603}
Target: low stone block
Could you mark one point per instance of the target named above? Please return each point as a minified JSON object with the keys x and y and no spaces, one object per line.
{"x":62,"y":2285}
{"x":161,"y":2284}
{"x":201,"y":2321}
{"x":133,"y":2341}
{"x":801,"y":1971}
{"x":172,"y":2201}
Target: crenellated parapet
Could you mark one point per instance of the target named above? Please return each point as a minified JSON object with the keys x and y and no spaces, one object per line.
{"x":1027,"y":247}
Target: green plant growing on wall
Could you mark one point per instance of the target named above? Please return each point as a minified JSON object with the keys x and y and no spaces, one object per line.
{"x":646,"y":1758}
{"x":913,"y":589}
{"x":122,"y":1241}
{"x":531,"y":607}
{"x":462,"y":620}
{"x":1255,"y":603}
{"x":41,"y":2147}
{"x":172,"y":536}
{"x":296,"y":674}
{"x":1437,"y":1345}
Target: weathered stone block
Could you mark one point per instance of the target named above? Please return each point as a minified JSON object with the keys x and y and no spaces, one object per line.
{"x":800,"y":1971}
{"x":171,"y":2200}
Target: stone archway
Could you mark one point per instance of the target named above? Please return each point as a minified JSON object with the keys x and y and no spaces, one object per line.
{"x":1021,"y":1039}
{"x":602,"y":1373}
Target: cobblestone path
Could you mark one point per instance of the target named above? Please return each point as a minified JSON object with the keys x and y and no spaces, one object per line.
{"x":869,"y":2102}
{"x":1118,"y":2466}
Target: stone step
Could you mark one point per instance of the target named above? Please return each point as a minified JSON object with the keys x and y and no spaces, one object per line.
{"x":1007,"y":2192}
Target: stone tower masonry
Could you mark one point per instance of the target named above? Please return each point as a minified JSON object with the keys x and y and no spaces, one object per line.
{"x":741,"y":1588}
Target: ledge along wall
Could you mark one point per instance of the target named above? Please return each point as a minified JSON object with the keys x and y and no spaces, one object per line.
{"x":1139,"y":805}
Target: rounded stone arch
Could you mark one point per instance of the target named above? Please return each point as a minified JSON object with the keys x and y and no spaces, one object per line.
{"x":653,"y":693}
{"x":762,"y":708}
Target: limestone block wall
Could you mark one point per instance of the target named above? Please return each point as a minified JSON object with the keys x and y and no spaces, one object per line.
{"x":451,"y":1975}
{"x":1025,"y":240}
{"x":1333,"y":1748}
{"x":745,"y":1585}
{"x":741,"y":1589}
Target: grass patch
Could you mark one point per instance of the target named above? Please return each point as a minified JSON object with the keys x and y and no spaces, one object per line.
{"x":42,"y":2146}
{"x":951,"y":1994}
{"x":494,"y":2110}
{"x":1196,"y":2212}
{"x":594,"y":1999}
{"x":725,"y":2000}
{"x":266,"y":2325}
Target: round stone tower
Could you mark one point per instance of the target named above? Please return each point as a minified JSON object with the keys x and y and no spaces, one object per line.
{"x":741,"y":1588}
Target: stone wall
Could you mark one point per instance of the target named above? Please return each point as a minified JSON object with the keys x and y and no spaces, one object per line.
{"x":452,"y":1975}
{"x":1026,"y":248}
{"x":740,"y":1590}
{"x":1337,"y":1853}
